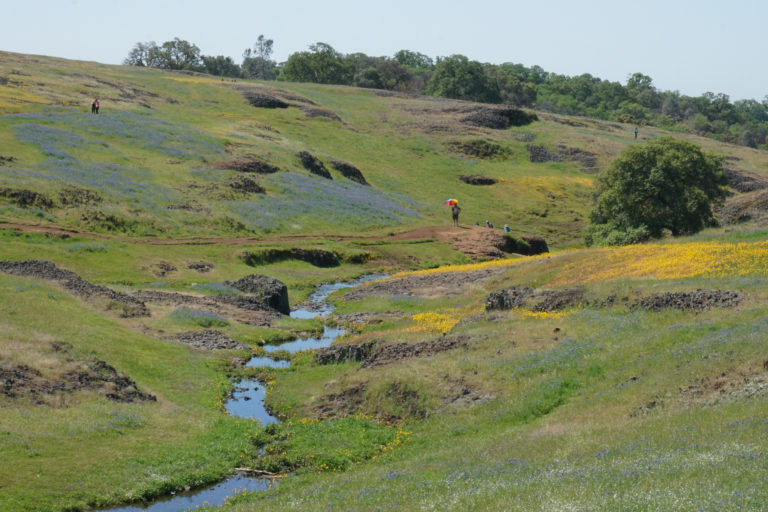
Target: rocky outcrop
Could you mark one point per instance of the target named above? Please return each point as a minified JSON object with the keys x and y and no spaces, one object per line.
{"x":314,"y":165}
{"x":525,"y":245}
{"x":344,"y":352}
{"x":349,"y":171}
{"x":264,"y":289}
{"x":261,"y":100}
{"x":510,"y":298}
{"x":316,"y":257}
{"x":129,"y":306}
{"x":209,"y":339}
{"x":498,"y":118}
{"x":699,"y":300}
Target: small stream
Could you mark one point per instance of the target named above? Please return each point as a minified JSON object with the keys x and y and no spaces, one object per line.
{"x":248,"y":398}
{"x":248,"y":402}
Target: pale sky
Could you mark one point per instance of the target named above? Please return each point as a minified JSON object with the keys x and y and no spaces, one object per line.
{"x":685,"y":45}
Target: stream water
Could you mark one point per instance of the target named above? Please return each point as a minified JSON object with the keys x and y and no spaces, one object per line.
{"x":248,"y":402}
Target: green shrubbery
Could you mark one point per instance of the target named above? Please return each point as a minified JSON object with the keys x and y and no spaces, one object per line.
{"x":321,"y":445}
{"x":664,"y":185}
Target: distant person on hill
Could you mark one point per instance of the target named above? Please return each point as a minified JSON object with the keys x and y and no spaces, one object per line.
{"x":506,"y":228}
{"x":488,"y":224}
{"x":635,"y":132}
{"x":93,"y":106}
{"x":455,"y":210}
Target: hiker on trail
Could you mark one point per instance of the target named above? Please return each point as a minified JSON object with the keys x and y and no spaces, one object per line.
{"x":488,"y":224}
{"x":506,"y":229}
{"x":635,"y":132}
{"x":455,"y":210}
{"x":95,"y":107}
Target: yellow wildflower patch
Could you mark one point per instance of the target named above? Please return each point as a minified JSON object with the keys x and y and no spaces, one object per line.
{"x":441,"y":321}
{"x":434,"y":321}
{"x":469,"y":267}
{"x":670,"y":261}
{"x":543,"y":314}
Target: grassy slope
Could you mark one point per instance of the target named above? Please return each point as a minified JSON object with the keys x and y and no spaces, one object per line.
{"x":581,"y":450}
{"x":587,"y":409}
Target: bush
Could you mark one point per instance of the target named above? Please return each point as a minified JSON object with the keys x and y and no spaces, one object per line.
{"x":199,"y":317}
{"x":610,"y":234}
{"x":329,"y":445}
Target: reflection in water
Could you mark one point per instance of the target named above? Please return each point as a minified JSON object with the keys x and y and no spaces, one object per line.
{"x":248,"y":402}
{"x":329,"y":336}
{"x":320,"y":307}
{"x":216,"y":495}
{"x":266,"y":362}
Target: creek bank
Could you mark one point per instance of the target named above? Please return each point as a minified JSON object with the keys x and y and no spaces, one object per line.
{"x":372,"y":353}
{"x":247,"y":401}
{"x":209,"y":496}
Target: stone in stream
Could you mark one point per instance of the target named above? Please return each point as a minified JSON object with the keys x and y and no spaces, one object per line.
{"x":268,"y":290}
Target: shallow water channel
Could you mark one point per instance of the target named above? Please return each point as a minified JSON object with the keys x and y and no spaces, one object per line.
{"x":248,"y":402}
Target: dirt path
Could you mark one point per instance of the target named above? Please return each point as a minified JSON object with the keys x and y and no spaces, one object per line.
{"x":439,"y":233}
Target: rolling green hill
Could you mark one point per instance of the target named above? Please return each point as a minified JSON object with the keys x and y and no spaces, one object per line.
{"x":582,"y":379}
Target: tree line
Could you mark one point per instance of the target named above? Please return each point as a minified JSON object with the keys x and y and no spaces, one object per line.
{"x":743,"y":122}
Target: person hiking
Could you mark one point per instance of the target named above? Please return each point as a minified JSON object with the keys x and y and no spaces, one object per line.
{"x":93,"y":106}
{"x":455,"y":210}
{"x":635,"y":132}
{"x":96,"y":105}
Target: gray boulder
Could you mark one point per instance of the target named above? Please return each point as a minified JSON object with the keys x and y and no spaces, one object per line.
{"x":267,"y":290}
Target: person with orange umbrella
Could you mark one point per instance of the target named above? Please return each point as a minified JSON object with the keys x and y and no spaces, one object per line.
{"x":455,"y":210}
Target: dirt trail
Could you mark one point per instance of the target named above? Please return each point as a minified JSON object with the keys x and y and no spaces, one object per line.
{"x":439,"y":233}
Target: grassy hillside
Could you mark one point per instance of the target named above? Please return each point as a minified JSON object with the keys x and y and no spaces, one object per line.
{"x":158,"y":159}
{"x":618,"y":379}
{"x":599,"y":404}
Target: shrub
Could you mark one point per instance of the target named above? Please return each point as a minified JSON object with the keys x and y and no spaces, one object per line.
{"x":199,"y":317}
{"x":611,"y":234}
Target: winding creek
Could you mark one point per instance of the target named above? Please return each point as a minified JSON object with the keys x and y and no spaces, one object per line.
{"x":248,"y":402}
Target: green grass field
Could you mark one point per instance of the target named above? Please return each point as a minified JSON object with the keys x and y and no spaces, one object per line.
{"x":597,"y":405}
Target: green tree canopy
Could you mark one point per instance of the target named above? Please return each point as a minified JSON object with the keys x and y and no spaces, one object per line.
{"x":322,"y":64}
{"x":458,"y":77}
{"x":220,"y":66}
{"x":665,"y":184}
{"x":176,"y":54}
{"x":257,"y":63}
{"x":416,"y":60}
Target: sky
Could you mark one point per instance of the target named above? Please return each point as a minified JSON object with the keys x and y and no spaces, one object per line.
{"x":684,"y":45}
